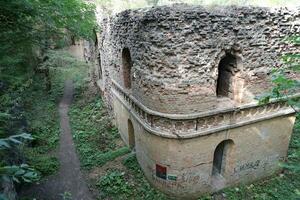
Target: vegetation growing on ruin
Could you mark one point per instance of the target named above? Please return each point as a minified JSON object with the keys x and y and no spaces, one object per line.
{"x":127,"y":183}
{"x":98,"y":143}
{"x":31,"y":32}
{"x":120,"y":176}
{"x":96,"y":139}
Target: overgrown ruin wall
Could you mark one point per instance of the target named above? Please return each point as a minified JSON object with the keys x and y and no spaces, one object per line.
{"x":175,"y":52}
{"x":181,"y":82}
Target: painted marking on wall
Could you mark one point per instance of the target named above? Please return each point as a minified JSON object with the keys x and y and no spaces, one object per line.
{"x":161,"y":171}
{"x":247,"y":166}
{"x":172,"y":177}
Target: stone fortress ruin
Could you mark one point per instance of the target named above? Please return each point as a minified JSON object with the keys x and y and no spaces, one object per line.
{"x":181,"y":83}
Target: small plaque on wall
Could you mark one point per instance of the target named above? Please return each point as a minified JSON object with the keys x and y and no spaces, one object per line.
{"x":172,"y":177}
{"x":161,"y":171}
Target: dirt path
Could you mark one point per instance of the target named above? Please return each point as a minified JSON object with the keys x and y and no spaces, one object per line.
{"x":69,"y":180}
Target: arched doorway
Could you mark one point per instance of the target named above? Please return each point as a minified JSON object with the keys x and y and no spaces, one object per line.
{"x":221,"y":157}
{"x":127,"y":65}
{"x":131,"y":138}
{"x":226,"y":71}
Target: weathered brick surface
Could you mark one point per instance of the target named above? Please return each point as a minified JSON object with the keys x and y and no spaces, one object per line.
{"x":176,"y":51}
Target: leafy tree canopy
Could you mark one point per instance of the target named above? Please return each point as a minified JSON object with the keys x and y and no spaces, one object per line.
{"x":41,"y":23}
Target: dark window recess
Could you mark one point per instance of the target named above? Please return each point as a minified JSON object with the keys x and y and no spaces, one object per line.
{"x":218,"y":159}
{"x":131,"y":138}
{"x":161,"y":171}
{"x":226,"y":69}
{"x":127,"y":65}
{"x":221,"y":156}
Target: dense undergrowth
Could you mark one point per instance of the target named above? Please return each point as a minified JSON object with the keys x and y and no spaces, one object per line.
{"x":129,"y":183}
{"x":41,"y":109}
{"x":98,"y":142}
{"x":95,"y":137}
{"x":33,"y":110}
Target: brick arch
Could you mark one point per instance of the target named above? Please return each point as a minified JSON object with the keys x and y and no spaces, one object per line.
{"x":222,"y":155}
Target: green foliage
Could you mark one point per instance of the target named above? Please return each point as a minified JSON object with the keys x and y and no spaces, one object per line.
{"x":40,"y":110}
{"x":7,"y":143}
{"x":42,"y":23}
{"x":28,"y":29}
{"x":16,"y":173}
{"x":101,"y":158}
{"x":128,"y":184}
{"x":94,"y":136}
{"x":279,"y":187}
{"x":283,"y":85}
{"x":22,"y":173}
{"x":64,"y":66}
{"x":131,"y":162}
{"x":114,"y":183}
{"x":66,"y":196}
{"x":97,"y":143}
{"x":142,"y":189}
{"x":294,"y":150}
{"x":44,"y":163}
{"x":43,"y":105}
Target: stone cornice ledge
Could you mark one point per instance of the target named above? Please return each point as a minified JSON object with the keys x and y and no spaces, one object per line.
{"x":193,"y":115}
{"x":183,"y":126}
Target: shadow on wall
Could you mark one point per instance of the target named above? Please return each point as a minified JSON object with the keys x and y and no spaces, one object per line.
{"x":131,"y":138}
{"x":127,"y":65}
{"x":222,"y":156}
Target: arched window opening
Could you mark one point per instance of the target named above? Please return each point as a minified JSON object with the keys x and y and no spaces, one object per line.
{"x":73,"y":40}
{"x":131,"y":138}
{"x":99,"y":66}
{"x":221,"y":157}
{"x":226,"y":70}
{"x":127,"y":65}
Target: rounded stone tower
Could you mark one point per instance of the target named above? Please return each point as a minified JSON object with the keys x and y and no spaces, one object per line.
{"x":182,"y":81}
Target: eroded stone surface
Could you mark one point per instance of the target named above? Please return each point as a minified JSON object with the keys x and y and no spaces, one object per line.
{"x":189,"y":105}
{"x":176,"y":51}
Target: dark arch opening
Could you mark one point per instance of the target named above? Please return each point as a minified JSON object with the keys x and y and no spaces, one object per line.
{"x":226,"y":70}
{"x":131,"y":138}
{"x":221,"y":155}
{"x":127,"y":65}
{"x":99,"y":66}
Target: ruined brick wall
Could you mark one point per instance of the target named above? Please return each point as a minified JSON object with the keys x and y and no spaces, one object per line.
{"x":176,"y":51}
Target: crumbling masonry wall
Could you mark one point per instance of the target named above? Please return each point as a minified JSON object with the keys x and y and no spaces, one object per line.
{"x":176,"y":50}
{"x":181,"y":81}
